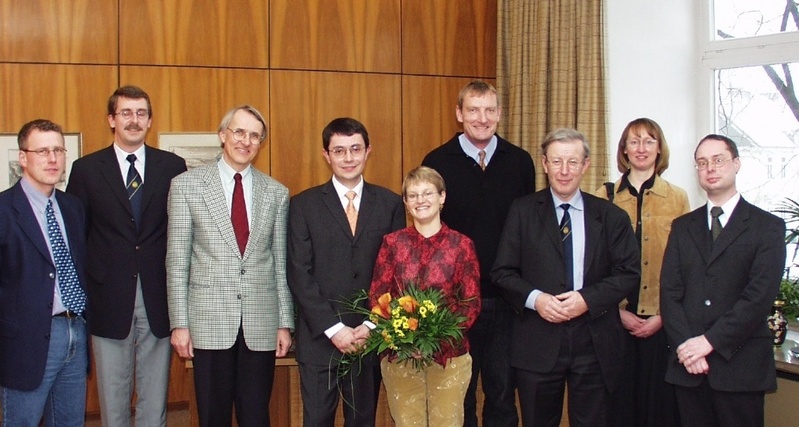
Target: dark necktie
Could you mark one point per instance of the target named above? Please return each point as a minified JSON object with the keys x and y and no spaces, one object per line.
{"x":238,"y":215}
{"x":481,"y":159}
{"x":133,"y":184}
{"x":72,"y":295}
{"x":715,"y":225}
{"x":568,"y":252}
{"x":352,"y":213}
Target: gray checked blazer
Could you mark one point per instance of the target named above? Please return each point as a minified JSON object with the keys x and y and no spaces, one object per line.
{"x":211,"y":287}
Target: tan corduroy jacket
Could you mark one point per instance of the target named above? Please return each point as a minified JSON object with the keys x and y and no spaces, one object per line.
{"x":662,"y":203}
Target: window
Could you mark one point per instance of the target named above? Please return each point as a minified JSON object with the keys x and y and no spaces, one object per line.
{"x":754,"y":57}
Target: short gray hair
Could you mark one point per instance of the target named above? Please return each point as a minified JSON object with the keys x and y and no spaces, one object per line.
{"x":248,"y":108}
{"x":565,"y":135}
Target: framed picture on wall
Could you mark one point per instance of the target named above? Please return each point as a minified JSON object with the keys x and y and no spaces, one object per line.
{"x":197,"y":148}
{"x":10,"y":170}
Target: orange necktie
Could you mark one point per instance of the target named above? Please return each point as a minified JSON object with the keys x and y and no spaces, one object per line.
{"x":352,"y":213}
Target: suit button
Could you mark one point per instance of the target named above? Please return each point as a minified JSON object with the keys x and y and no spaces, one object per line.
{"x":646,"y":238}
{"x":243,"y":271}
{"x":47,"y":336}
{"x":646,"y":262}
{"x":354,"y":275}
{"x":238,"y":296}
{"x":138,"y":247}
{"x":707,"y":302}
{"x":52,"y":275}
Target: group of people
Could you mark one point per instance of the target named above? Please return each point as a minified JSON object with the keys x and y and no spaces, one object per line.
{"x":647,"y":313}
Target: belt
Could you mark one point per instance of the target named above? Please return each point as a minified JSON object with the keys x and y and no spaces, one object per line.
{"x":68,"y":314}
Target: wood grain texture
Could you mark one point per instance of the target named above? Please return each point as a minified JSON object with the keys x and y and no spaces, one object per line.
{"x":57,"y":31}
{"x":195,"y":99}
{"x":428,"y":115}
{"x":305,"y":102}
{"x":74,"y":96}
{"x":449,"y":37}
{"x":230,"y":33}
{"x":342,"y":35}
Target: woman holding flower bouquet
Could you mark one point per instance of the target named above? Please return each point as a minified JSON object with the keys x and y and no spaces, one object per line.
{"x":425,"y":295}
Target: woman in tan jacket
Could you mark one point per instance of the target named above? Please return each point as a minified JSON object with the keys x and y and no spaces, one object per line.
{"x":644,"y":398}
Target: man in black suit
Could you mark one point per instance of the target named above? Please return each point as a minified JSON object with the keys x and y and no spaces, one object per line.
{"x":565,"y":261}
{"x":335,"y":232}
{"x":124,"y":190}
{"x":484,"y":174}
{"x":721,"y":273}
{"x":43,"y":339}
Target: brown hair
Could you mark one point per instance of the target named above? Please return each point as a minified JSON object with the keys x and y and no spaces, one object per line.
{"x":651,"y":127}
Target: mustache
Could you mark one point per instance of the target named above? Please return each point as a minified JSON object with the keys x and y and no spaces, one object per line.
{"x":133,"y":126}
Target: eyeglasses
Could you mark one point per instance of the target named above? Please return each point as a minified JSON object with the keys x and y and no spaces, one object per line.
{"x":341,"y":152}
{"x":571,"y":164}
{"x":127,"y":114}
{"x":241,"y":134}
{"x":717,"y":163}
{"x":44,"y":152}
{"x":427,"y":195}
{"x":647,"y":142}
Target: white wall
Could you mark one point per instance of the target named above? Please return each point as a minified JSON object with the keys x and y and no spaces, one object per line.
{"x":653,"y":70}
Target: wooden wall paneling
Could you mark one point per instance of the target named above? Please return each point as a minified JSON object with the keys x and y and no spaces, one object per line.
{"x":343,"y":35}
{"x":74,"y":96}
{"x":449,"y":37}
{"x":230,"y":33}
{"x":188,"y":99}
{"x":428,"y":115}
{"x":304,"y":102}
{"x":57,"y":31}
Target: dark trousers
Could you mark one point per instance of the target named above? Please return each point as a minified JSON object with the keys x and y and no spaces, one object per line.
{"x":644,"y":398}
{"x":489,"y":339}
{"x":541,"y":393}
{"x":321,"y":389}
{"x":236,"y":376}
{"x":702,"y":406}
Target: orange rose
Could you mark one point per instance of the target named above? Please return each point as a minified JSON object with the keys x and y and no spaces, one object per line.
{"x":413,"y":323}
{"x":408,"y":303}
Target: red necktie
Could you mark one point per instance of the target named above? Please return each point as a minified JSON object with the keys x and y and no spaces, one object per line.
{"x":238,"y":215}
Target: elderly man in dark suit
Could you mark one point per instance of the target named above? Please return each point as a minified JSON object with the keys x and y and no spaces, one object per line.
{"x":335,"y":232}
{"x":565,"y":261}
{"x":43,"y":338}
{"x":721,"y":273}
{"x":124,"y":188}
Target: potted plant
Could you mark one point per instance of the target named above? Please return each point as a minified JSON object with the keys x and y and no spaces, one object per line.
{"x":788,"y":209}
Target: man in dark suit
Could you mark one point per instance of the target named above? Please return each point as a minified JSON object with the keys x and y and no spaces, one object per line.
{"x":484,"y":174}
{"x":565,"y":282}
{"x":43,"y":339}
{"x":124,"y":190}
{"x":721,"y":273}
{"x":330,"y":259}
{"x":230,"y":307}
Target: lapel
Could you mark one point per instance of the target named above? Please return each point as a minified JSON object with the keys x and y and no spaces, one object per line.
{"x":214,"y":197}
{"x":109,"y":170}
{"x":333,"y":204}
{"x":700,"y":234}
{"x":546,"y":215}
{"x":26,"y":219}
{"x":593,"y":230}
{"x":261,"y":195}
{"x":736,"y":225}
{"x":152,"y":172}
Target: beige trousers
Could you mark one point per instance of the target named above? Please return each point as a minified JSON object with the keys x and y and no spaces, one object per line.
{"x":430,"y":397}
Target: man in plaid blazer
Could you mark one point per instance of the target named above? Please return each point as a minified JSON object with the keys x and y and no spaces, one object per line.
{"x":229,"y":305}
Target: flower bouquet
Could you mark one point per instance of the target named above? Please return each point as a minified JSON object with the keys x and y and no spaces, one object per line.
{"x":411,"y":328}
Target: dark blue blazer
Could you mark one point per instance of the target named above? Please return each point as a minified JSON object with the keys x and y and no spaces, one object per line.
{"x":27,"y":282}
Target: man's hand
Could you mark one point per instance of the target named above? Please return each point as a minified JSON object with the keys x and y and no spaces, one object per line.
{"x":345,"y":340}
{"x":361,"y":333}
{"x":181,"y":341}
{"x":648,"y":327}
{"x":573,"y":303}
{"x":630,"y":321}
{"x":551,"y":309}
{"x":692,"y":350}
{"x":283,"y":342}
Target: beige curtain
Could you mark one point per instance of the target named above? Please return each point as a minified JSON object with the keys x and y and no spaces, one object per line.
{"x":550,"y":74}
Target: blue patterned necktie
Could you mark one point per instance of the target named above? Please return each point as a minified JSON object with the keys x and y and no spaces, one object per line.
{"x":568,"y":252}
{"x":72,"y":295}
{"x":133,"y":185}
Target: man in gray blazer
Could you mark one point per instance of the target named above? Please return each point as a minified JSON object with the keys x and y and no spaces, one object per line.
{"x":229,"y":305}
{"x":331,"y":259}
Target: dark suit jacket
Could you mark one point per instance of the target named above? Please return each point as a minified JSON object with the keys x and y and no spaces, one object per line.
{"x":725,"y":291}
{"x":118,"y":250}
{"x":530,"y":256}
{"x":328,"y":265}
{"x":27,"y":283}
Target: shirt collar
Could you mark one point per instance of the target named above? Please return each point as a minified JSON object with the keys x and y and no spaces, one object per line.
{"x":122,"y":155}
{"x":226,"y":172}
{"x":35,"y":197}
{"x":472,"y":151}
{"x":341,"y":189}
{"x":576,"y":202}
